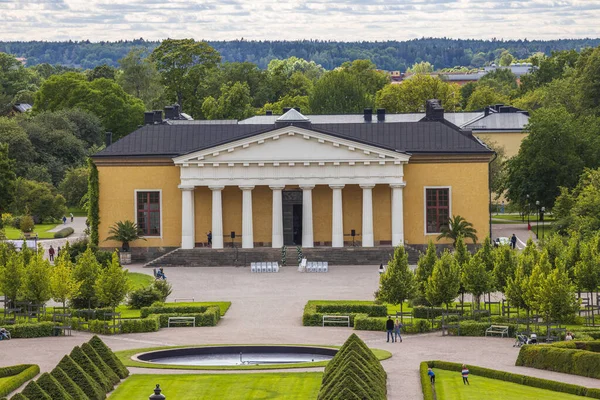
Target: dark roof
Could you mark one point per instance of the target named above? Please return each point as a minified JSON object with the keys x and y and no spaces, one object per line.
{"x":514,"y":121}
{"x":410,"y":137}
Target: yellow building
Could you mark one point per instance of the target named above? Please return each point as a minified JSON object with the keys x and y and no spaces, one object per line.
{"x":295,"y":180}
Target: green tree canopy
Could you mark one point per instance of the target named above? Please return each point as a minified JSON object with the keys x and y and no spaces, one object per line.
{"x":234,"y":102}
{"x":36,"y":282}
{"x":40,"y":199}
{"x":12,"y":275}
{"x":476,"y":279}
{"x":339,"y":92}
{"x":397,"y":283}
{"x":74,"y":186}
{"x":140,"y":78}
{"x":444,"y":283}
{"x":424,"y":67}
{"x":63,"y":285}
{"x":112,"y":284}
{"x":7,"y":179}
{"x":86,"y":271}
{"x":425,"y":268}
{"x":458,"y":227}
{"x":412,"y":94}
{"x":484,"y":96}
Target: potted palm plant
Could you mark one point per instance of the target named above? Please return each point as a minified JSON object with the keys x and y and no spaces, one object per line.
{"x":125,"y":232}
{"x":458,"y":226}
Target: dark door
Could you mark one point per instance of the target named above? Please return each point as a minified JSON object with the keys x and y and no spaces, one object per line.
{"x":292,"y":217}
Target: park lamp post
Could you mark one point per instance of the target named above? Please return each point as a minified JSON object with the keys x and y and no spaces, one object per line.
{"x":528,"y":212}
{"x":543,"y":211}
{"x":537,"y":225}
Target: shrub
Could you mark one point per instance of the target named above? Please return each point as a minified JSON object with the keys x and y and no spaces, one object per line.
{"x":91,"y":388}
{"x":144,"y":297}
{"x":98,"y":314}
{"x":26,"y":224}
{"x":19,"y":396}
{"x":63,"y":233}
{"x":32,"y":330}
{"x":15,"y":376}
{"x":372,"y":310}
{"x":425,"y":312}
{"x":553,"y":358}
{"x":162,"y":309}
{"x":33,"y":391}
{"x":98,"y":362}
{"x":67,"y":383}
{"x":92,"y":370}
{"x":210,"y":317}
{"x":109,"y":357}
{"x":425,"y":382}
{"x":51,"y":386}
{"x":474,"y":328}
{"x":150,"y":324}
{"x":164,"y":288}
{"x":364,"y":323}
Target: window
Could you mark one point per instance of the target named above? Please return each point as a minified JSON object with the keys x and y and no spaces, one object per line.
{"x":437,"y":209}
{"x":148,"y":213}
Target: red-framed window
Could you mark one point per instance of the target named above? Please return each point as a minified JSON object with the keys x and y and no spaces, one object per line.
{"x":148,"y":213}
{"x":437,"y":208}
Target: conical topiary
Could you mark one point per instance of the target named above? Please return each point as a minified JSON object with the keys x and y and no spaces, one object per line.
{"x":98,"y":362}
{"x":19,"y":396}
{"x":67,"y":383}
{"x":33,"y":391}
{"x":109,"y":357}
{"x":88,"y":366}
{"x":51,"y":386}
{"x":92,"y":389}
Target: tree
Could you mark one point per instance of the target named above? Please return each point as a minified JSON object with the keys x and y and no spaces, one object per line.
{"x":36,"y":282}
{"x":102,"y":71}
{"x":85,"y":272}
{"x":578,"y":210}
{"x":75,"y":185}
{"x":125,"y":232}
{"x":587,"y":270}
{"x":444,"y":283}
{"x":20,"y":148}
{"x":301,"y":102}
{"x":12,"y":275}
{"x":112,"y":284}
{"x":506,"y":59}
{"x":556,"y":300}
{"x":424,"y":67}
{"x":516,"y":286}
{"x":397,"y":283}
{"x":502,"y":80}
{"x":63,"y":285}
{"x":535,"y":283}
{"x":7,"y":179}
{"x":182,"y":63}
{"x":462,"y":257}
{"x":234,"y":102}
{"x":139,"y":77}
{"x":292,"y":65}
{"x":425,"y":268}
{"x":505,"y":263}
{"x":476,"y":279}
{"x":548,"y":69}
{"x":458,"y":226}
{"x":588,"y":77}
{"x":485,"y":96}
{"x":367,"y":74}
{"x":39,"y":199}
{"x":413,"y":93}
{"x":92,"y":205}
{"x":339,"y":92}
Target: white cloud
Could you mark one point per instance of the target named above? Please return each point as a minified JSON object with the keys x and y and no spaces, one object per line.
{"x":345,"y":20}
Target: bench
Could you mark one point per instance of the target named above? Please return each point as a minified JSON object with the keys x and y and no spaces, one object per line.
{"x":336,"y":319}
{"x":184,"y":299}
{"x":181,"y":321}
{"x":497,"y":329}
{"x":556,"y":334}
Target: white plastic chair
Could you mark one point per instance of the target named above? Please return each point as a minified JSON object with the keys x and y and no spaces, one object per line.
{"x":275,"y":266}
{"x":325,"y":266}
{"x":320,"y":266}
{"x":269,"y":267}
{"x":252,"y":267}
{"x":264,"y":267}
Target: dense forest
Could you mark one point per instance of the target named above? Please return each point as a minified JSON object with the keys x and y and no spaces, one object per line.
{"x":389,"y":55}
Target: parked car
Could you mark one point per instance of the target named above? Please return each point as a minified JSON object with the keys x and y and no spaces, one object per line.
{"x":501,"y":241}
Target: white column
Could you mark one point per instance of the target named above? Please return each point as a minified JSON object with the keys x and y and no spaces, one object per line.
{"x":188,"y":239}
{"x":337,"y":220}
{"x":247,"y":230}
{"x":217,"y":217}
{"x":307,"y":216}
{"x":367,"y":215}
{"x":277,"y":229}
{"x":397,"y":213}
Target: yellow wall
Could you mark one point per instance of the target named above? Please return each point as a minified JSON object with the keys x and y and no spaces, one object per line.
{"x":117,"y":201}
{"x":382,"y":214}
{"x":322,"y":208}
{"x":203,"y":213}
{"x":262,"y":214}
{"x":352,"y":209}
{"x":511,"y":141}
{"x":232,"y":213}
{"x":469,"y":196}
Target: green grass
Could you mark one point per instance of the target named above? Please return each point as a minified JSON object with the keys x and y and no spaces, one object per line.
{"x":449,"y":386}
{"x":40,"y":229}
{"x":125,"y":357}
{"x":77,"y":212}
{"x":516,"y":218}
{"x":288,"y":386}
{"x":127,"y":312}
{"x":138,"y":280}
{"x":312,"y":304}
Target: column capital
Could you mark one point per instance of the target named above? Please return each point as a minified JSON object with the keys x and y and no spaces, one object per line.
{"x":216,"y":187}
{"x":398,"y":185}
{"x":186,"y":187}
{"x":337,"y":185}
{"x":277,"y":187}
{"x":367,"y":185}
{"x":246,"y":187}
{"x":307,"y":186}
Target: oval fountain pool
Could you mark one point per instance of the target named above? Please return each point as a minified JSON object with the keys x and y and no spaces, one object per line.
{"x":238,"y":355}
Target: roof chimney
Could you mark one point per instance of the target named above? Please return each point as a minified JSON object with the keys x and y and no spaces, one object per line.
{"x":108,"y":138}
{"x":158,"y":116}
{"x":286,"y":109}
{"x":148,"y":118}
{"x":486,"y":111}
{"x":170,"y":113}
{"x":368,"y":114}
{"x":269,"y":112}
{"x":434,"y":110}
{"x":505,"y":109}
{"x":380,"y":114}
{"x":297,"y":109}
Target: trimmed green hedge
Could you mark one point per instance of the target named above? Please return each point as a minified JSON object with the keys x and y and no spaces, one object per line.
{"x":109,"y":357}
{"x":425,"y":382}
{"x":16,"y":376}
{"x":51,"y":386}
{"x":91,"y":388}
{"x":553,"y":358}
{"x":92,"y":370}
{"x":33,"y":391}
{"x":364,"y":323}
{"x":127,"y":326}
{"x":63,"y":233}
{"x":473,"y":328}
{"x":210,"y":317}
{"x":147,"y":311}
{"x":519,"y":379}
{"x":31,"y":330}
{"x":98,"y":362}
{"x":593,"y":346}
{"x":19,"y":396}
{"x":68,"y":384}
{"x":373,"y":310}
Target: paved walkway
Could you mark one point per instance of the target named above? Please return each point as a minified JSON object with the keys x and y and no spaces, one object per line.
{"x":520,"y":230}
{"x":78,"y":226}
{"x":267,"y":308}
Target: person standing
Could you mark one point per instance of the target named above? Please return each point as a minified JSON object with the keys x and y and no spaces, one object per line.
{"x":381,"y":270}
{"x":71,"y":214}
{"x":513,"y":241}
{"x":58,"y":251}
{"x":51,"y":253}
{"x":64,"y":219}
{"x":389,"y":326}
{"x":465,"y":375}
{"x":397,"y":328}
{"x":431,"y":375}
{"x":209,"y":238}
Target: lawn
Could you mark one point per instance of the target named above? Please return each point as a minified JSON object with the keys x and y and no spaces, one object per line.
{"x":449,"y":386}
{"x":127,"y":312}
{"x":76,"y":211}
{"x":138,"y":280}
{"x":40,"y":229}
{"x":289,"y":386}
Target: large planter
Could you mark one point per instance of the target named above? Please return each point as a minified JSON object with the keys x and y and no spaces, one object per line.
{"x":125,"y":257}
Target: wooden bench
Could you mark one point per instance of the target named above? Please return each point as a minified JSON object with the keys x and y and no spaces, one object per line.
{"x":497,"y":329}
{"x":181,"y":320}
{"x":336,"y":319}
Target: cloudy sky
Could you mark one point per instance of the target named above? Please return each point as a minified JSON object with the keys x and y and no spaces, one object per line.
{"x":346,"y":20}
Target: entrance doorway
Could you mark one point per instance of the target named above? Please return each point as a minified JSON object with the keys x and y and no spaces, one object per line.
{"x":292,"y":217}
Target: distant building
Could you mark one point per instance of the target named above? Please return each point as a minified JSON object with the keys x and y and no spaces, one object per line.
{"x":21,"y":108}
{"x":462,"y":78}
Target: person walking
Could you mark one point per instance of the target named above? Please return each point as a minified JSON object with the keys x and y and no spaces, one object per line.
{"x":465,"y":375}
{"x":51,"y":253}
{"x":389,"y":326}
{"x":64,"y":219}
{"x":397,"y":327}
{"x":381,"y":270}
{"x":58,"y":251}
{"x":431,"y":375}
{"x":513,"y":241}
{"x":209,"y":238}
{"x":72,"y":217}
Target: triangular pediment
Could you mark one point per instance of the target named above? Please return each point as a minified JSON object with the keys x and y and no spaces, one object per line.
{"x":293,"y":145}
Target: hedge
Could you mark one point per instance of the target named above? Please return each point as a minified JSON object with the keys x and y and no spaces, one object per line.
{"x":92,"y":370}
{"x":19,"y":396}
{"x":15,"y":376}
{"x":519,"y":379}
{"x":208,"y":318}
{"x":68,"y":384}
{"x":553,"y":358}
{"x":127,"y":326}
{"x":31,"y":330}
{"x":372,"y":310}
{"x":109,"y":357}
{"x":63,"y":233}
{"x":98,"y":362}
{"x":98,"y":314}
{"x":426,"y":382}
{"x":474,"y":328}
{"x":364,"y":323}
{"x":33,"y":391}
{"x":316,"y":319}
{"x":424,"y":312}
{"x":51,"y":386}
{"x":593,"y":346}
{"x":91,"y":388}
{"x":146,"y":311}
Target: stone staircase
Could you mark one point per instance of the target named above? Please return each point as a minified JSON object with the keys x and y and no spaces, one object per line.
{"x":206,"y":257}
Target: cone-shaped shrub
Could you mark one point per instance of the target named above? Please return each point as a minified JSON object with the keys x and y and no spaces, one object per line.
{"x":98,"y":362}
{"x":88,"y":366}
{"x":109,"y":357}
{"x":33,"y":391}
{"x":362,"y":356}
{"x":371,"y":383}
{"x":51,"y":386}
{"x":92,"y":389}
{"x":19,"y":396}
{"x":350,"y":382}
{"x":67,"y":383}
